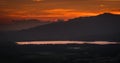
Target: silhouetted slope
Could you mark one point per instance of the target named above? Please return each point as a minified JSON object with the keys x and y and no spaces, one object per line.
{"x":104,"y":27}
{"x":17,"y":25}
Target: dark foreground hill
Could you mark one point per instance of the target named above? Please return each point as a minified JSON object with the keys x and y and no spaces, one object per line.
{"x":104,"y":27}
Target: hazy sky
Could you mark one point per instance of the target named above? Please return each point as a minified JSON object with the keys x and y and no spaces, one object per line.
{"x":55,"y":9}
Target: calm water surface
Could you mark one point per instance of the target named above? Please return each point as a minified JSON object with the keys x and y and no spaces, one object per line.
{"x":64,"y":42}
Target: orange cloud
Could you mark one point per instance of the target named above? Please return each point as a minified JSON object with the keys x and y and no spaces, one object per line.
{"x":53,"y":14}
{"x":111,"y":0}
{"x":59,"y":10}
{"x":38,"y":0}
{"x":71,"y":13}
{"x":116,"y":12}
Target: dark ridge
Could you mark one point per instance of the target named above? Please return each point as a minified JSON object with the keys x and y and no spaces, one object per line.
{"x":104,"y":27}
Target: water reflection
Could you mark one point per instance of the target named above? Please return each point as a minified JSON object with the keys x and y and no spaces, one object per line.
{"x":64,"y":42}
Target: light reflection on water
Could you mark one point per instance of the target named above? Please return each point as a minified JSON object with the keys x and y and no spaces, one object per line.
{"x":64,"y":42}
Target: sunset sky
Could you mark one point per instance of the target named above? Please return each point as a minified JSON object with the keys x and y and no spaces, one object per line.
{"x":55,"y":9}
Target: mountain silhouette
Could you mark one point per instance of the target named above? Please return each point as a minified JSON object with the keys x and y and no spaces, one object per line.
{"x":17,"y":25}
{"x":103,"y":27}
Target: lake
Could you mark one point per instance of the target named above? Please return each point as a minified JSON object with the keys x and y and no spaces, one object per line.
{"x":64,"y":42}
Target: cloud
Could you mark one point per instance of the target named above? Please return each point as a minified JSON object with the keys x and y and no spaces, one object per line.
{"x":115,"y":11}
{"x":38,"y":0}
{"x":58,"y":10}
{"x":111,"y":0}
{"x":52,"y":14}
{"x":118,"y":10}
{"x":68,"y":12}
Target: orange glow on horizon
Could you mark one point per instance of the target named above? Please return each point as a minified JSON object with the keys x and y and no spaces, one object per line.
{"x":54,"y":14}
{"x":55,"y":9}
{"x":118,"y":13}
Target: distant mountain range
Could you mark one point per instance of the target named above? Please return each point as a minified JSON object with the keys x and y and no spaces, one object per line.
{"x":104,"y":27}
{"x":22,"y":24}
